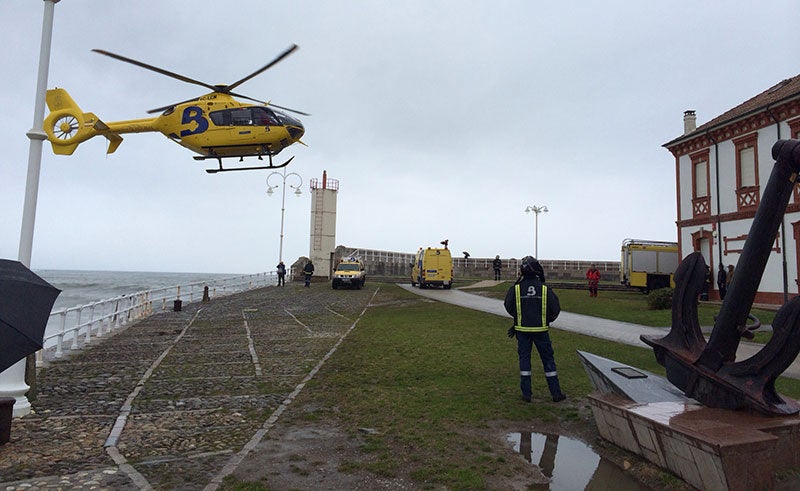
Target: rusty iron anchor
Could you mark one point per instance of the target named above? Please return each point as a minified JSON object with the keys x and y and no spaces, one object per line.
{"x":708,"y":371}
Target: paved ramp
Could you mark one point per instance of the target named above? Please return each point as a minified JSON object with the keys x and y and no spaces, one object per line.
{"x":483,"y":284}
{"x":621,"y":332}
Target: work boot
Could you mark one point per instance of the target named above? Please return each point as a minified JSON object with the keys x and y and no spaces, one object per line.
{"x":525,"y":386}
{"x":555,"y":387}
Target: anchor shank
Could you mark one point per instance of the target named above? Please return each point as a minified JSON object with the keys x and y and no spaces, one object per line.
{"x":725,"y":337}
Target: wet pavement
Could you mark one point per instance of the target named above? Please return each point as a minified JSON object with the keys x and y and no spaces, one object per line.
{"x":176,"y":400}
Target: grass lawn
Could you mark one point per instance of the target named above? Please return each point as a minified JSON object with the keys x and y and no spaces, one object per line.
{"x":422,"y":373}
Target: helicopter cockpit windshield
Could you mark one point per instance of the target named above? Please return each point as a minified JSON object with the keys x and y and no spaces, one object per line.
{"x":287,"y":120}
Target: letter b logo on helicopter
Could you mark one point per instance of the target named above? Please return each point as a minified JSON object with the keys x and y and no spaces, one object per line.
{"x":194,"y":114}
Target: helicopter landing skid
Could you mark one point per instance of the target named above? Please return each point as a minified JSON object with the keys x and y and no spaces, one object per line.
{"x":230,"y":169}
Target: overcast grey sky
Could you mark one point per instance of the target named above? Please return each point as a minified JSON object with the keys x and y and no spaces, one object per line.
{"x":440,"y":119}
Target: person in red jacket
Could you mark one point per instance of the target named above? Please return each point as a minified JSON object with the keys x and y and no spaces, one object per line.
{"x":593,"y":275}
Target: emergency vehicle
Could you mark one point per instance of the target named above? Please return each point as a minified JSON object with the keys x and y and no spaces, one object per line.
{"x":349,"y":272}
{"x":432,"y":267}
{"x":647,"y":264}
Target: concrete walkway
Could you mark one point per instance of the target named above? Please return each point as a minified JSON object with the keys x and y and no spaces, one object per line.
{"x":178,"y":400}
{"x":621,"y":332}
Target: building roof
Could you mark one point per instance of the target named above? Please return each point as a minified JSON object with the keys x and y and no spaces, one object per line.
{"x":783,"y":91}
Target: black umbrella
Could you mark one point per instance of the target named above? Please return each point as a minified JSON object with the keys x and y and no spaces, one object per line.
{"x":25,"y":304}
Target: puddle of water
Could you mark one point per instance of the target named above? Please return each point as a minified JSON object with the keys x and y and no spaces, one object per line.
{"x":570,"y":464}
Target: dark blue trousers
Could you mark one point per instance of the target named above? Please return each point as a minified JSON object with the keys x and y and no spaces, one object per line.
{"x":525,"y":343}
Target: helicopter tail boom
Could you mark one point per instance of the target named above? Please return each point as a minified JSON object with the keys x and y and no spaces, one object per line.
{"x":67,"y":126}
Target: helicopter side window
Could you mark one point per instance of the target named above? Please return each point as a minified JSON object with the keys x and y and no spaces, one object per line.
{"x":263,"y":117}
{"x":245,"y":116}
{"x":241,"y":117}
{"x":221,"y":118}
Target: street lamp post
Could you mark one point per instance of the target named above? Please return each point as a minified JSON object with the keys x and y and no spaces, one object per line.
{"x":284,"y":176}
{"x":536,"y":210}
{"x":12,"y":380}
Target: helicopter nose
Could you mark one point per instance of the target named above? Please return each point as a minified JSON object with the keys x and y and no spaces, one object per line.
{"x":296,"y":131}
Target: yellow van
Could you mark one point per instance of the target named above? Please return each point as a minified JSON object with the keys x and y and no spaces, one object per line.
{"x":432,"y":267}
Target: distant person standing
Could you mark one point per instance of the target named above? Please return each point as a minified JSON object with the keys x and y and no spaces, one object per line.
{"x":281,"y":268}
{"x":729,"y":277}
{"x":593,"y":277}
{"x":722,"y":284}
{"x":497,"y":265}
{"x":533,"y":306}
{"x":308,"y":270}
{"x":706,"y":285}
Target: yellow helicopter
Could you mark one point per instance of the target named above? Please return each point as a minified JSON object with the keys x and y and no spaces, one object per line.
{"x":214,"y":125}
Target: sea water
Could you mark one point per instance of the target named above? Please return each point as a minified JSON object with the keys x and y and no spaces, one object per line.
{"x":82,"y":287}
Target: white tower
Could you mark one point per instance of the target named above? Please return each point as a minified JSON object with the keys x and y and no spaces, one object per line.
{"x":323,"y":224}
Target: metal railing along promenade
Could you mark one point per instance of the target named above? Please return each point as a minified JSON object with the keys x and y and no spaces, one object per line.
{"x":77,"y":325}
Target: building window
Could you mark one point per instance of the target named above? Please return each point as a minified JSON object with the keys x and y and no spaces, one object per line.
{"x":747,"y":190}
{"x":794,"y":127}
{"x":701,"y":199}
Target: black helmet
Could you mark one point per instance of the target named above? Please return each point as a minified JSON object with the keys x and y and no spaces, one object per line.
{"x":531,"y":267}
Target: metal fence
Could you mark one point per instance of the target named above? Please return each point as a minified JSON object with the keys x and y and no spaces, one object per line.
{"x":547,"y":264}
{"x":78,"y":325}
{"x":375,"y":256}
{"x":398,"y":264}
{"x":371,"y":255}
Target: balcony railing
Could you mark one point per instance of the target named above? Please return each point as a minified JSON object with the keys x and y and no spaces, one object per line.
{"x":747,"y":198}
{"x":701,"y":206}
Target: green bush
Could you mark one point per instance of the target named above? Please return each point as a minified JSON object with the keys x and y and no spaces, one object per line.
{"x":660,"y":299}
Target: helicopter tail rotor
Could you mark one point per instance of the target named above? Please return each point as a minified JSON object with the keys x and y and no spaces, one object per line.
{"x":67,"y":126}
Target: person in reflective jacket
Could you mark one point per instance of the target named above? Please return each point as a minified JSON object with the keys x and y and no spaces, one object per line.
{"x":533,"y":306}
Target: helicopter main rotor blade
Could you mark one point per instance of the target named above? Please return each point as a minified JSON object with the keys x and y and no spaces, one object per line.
{"x":223,"y":89}
{"x":157,"y":70}
{"x":266,"y":103}
{"x":240,"y":96}
{"x":265,"y":67}
{"x":289,"y":109}
{"x":164,"y":108}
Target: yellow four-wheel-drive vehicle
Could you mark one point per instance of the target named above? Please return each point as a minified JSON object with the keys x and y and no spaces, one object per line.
{"x":349,"y":272}
{"x":432,"y":267}
{"x":648,"y":264}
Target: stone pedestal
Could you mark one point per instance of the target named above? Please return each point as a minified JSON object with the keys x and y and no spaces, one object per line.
{"x":711,"y":449}
{"x":714,"y":449}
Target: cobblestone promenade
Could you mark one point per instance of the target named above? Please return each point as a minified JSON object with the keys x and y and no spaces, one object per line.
{"x":171,"y":401}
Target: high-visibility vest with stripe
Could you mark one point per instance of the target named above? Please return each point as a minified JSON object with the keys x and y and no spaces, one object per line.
{"x":518,"y":325}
